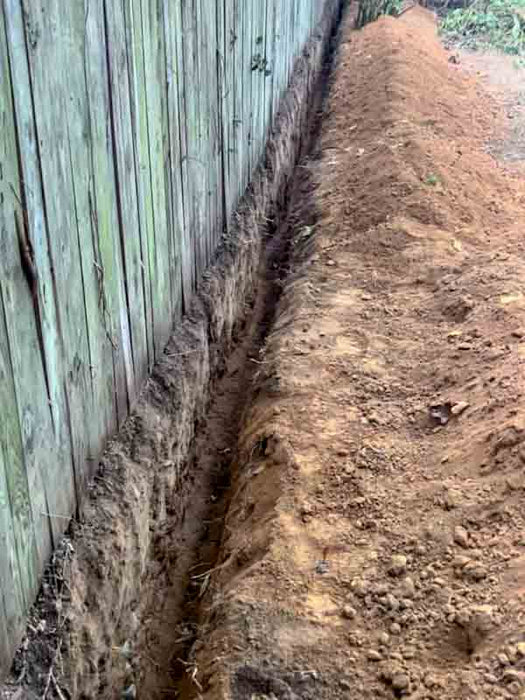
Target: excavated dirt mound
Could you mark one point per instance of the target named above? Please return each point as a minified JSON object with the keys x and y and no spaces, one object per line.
{"x":375,"y":545}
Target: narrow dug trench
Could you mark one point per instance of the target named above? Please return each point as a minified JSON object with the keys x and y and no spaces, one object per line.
{"x":193,"y":544}
{"x":168,"y":645}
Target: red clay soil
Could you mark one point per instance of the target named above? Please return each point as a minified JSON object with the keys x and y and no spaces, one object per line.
{"x":375,"y":542}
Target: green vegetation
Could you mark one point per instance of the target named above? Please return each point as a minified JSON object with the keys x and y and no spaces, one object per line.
{"x":432,"y":180}
{"x":488,"y":23}
{"x":370,"y":10}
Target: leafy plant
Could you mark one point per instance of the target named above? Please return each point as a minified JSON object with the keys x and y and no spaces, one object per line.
{"x":496,"y":23}
{"x":370,"y":10}
{"x":432,"y":179}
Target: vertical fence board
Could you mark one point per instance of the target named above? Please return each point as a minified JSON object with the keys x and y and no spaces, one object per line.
{"x":174,"y":152}
{"x":18,"y":571}
{"x":139,"y":118}
{"x":133,"y":311}
{"x":97,"y":402}
{"x":155,"y":64}
{"x":17,"y":584}
{"x":50,"y":42}
{"x":187,"y":254}
{"x":31,"y":314}
{"x":191,"y":156}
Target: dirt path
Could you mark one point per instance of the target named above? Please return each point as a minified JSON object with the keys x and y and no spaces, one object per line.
{"x":375,"y":543}
{"x":502,"y":77}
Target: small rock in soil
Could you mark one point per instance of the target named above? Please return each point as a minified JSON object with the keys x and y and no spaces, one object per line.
{"x":458,"y":408}
{"x":398,"y":565}
{"x":460,"y":561}
{"x":322,"y":566}
{"x":400,"y":681}
{"x":511,"y":675}
{"x":440,"y":413}
{"x":503,"y":659}
{"x":461,"y":536}
{"x":408,"y":587}
{"x":475,"y":571}
{"x":373,"y":655}
{"x":348,"y":612}
{"x":391,"y":602}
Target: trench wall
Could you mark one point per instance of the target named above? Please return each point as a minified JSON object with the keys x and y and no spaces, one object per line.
{"x":130,"y":129}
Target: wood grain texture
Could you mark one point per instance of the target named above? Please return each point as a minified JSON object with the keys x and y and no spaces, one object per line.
{"x":129,"y":132}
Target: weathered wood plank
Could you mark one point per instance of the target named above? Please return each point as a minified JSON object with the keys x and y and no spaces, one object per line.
{"x":132,"y":310}
{"x":175,"y":195}
{"x":15,"y":588}
{"x":155,"y":70}
{"x":238,"y":74}
{"x":95,"y":395}
{"x":110,"y":373}
{"x":226,"y":44}
{"x":44,"y":24}
{"x":247,"y":17}
{"x":213,"y":30}
{"x":32,"y":321}
{"x":194,"y":166}
{"x":139,"y":117}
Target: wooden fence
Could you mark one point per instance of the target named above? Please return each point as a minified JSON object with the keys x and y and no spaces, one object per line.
{"x":129,"y":130}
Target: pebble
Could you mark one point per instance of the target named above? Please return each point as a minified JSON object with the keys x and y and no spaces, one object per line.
{"x":398,"y":565}
{"x":395,"y":628}
{"x":391,"y":602}
{"x":503,"y":659}
{"x":460,"y":560}
{"x":400,"y":681}
{"x":429,"y":680}
{"x":511,"y":675}
{"x":520,"y":648}
{"x":408,"y":587}
{"x":475,"y":571}
{"x":346,"y":685}
{"x":458,"y":408}
{"x":461,"y":536}
{"x":348,"y":612}
{"x":380,"y":589}
{"x":408,"y":653}
{"x":384,"y":638}
{"x":490,"y":678}
{"x":359,"y":587}
{"x":373,"y":655}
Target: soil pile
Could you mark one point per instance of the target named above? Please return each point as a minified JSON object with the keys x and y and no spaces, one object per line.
{"x":375,"y":543}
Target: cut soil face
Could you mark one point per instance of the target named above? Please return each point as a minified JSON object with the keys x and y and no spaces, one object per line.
{"x":188,"y":548}
{"x":374,"y":545}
